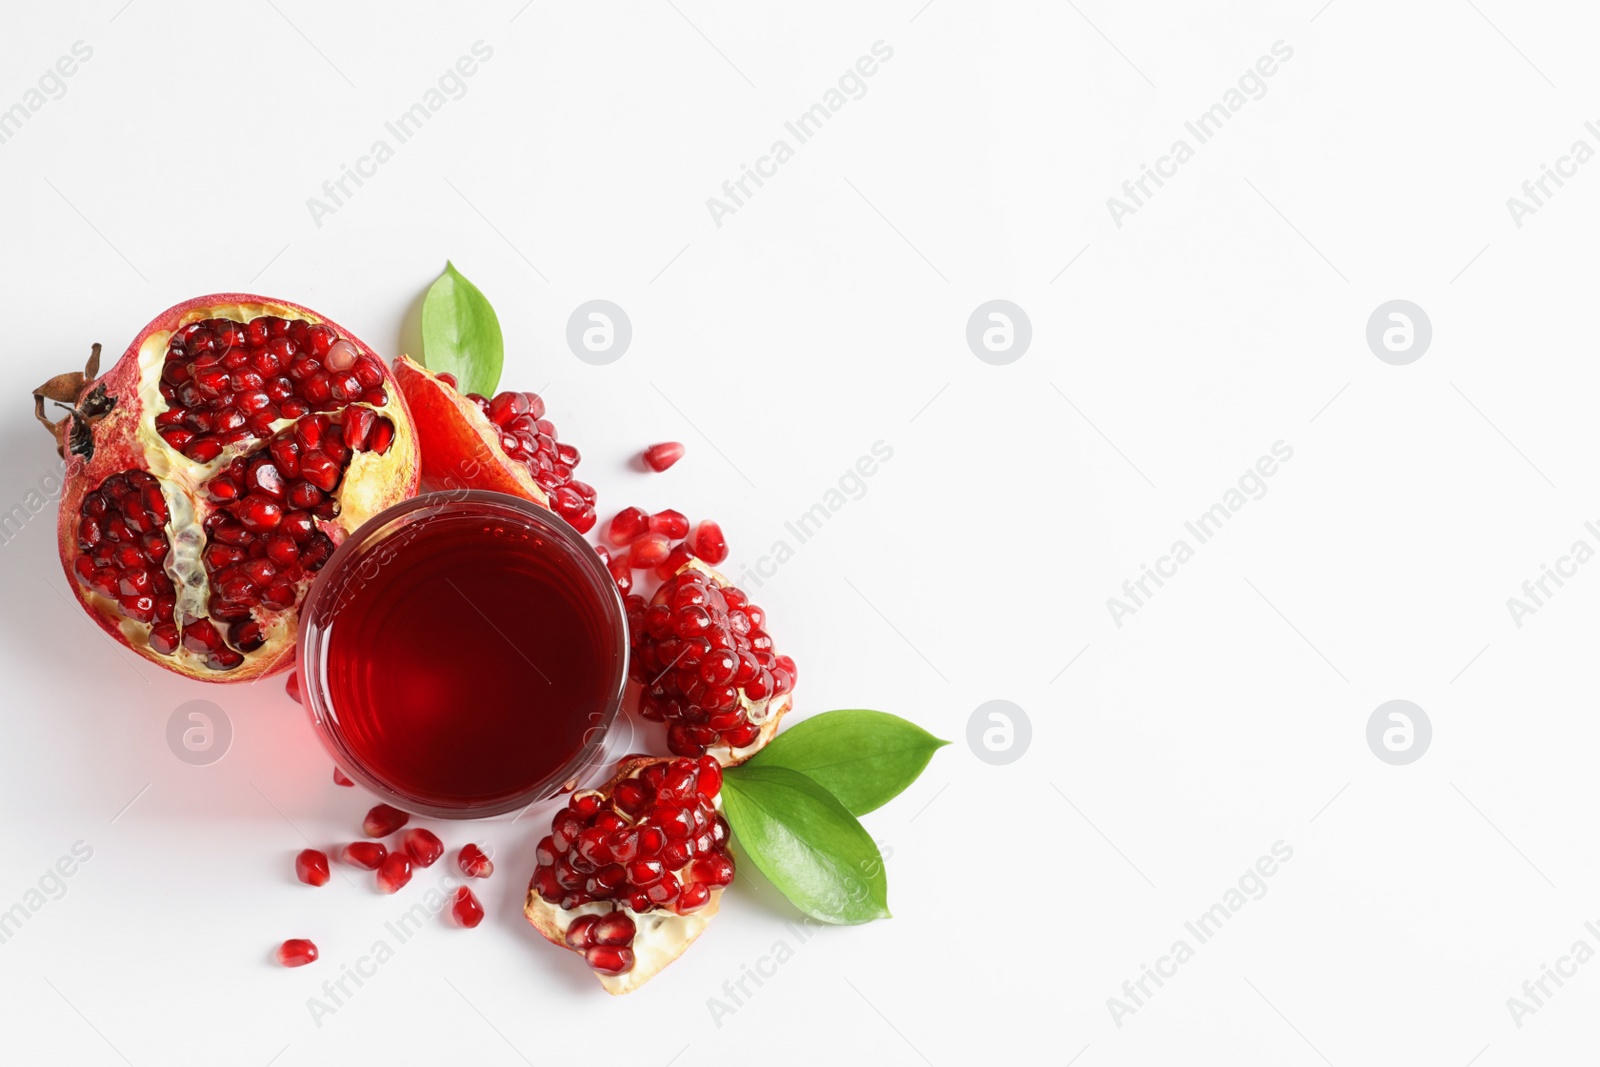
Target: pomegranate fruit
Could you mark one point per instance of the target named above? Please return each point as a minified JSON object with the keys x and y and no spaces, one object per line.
{"x":503,"y":443}
{"x":213,"y":471}
{"x":633,"y":872}
{"x":702,"y":654}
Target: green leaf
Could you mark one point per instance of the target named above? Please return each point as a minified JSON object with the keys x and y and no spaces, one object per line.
{"x":807,"y":844}
{"x":865,"y":758}
{"x":461,"y":334}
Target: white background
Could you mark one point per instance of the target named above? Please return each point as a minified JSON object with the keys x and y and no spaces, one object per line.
{"x":826,"y":314}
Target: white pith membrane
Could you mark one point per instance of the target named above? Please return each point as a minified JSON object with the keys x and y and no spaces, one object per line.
{"x":765,"y":713}
{"x":183,"y":482}
{"x":660,"y":936}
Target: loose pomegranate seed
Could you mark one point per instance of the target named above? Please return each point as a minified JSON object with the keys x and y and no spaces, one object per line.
{"x":474,"y":863}
{"x":671,"y":523}
{"x":297,"y":952}
{"x":660,"y":457}
{"x":384,"y":820}
{"x":394,"y":872}
{"x":709,"y":544}
{"x":368,"y":854}
{"x":423,"y":847}
{"x":648,"y":550}
{"x":339,"y":778}
{"x":466,"y":909}
{"x":621,"y":573}
{"x":627,"y":526}
{"x":311,"y":867}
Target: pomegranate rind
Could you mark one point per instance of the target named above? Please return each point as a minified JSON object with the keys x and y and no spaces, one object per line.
{"x":769,"y":712}
{"x":126,"y":438}
{"x":460,"y":446}
{"x":661,"y":936}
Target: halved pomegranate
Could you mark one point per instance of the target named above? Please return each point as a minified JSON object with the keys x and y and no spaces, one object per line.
{"x":213,"y":471}
{"x":503,"y":443}
{"x":706,"y":664}
{"x":633,"y":872}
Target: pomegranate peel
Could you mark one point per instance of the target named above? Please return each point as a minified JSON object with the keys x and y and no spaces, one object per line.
{"x":660,"y":934}
{"x":463,"y":449}
{"x":173,"y":523}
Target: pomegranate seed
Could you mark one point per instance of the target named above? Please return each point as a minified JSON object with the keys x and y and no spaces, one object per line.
{"x":613,"y":929}
{"x":621,"y":573}
{"x":342,"y":355}
{"x":297,"y":952}
{"x":660,"y":457}
{"x":694,"y":896}
{"x":580,"y":934}
{"x":648,"y":550}
{"x":368,"y":854}
{"x":674,"y":561}
{"x":474,"y":863}
{"x":669,"y":522}
{"x":448,"y":379}
{"x":384,"y":820}
{"x":394,"y":872}
{"x":466,"y":910}
{"x":311,"y":867}
{"x":627,"y":526}
{"x":340,"y":779}
{"x":423,"y":846}
{"x":607,"y":960}
{"x":709,"y":544}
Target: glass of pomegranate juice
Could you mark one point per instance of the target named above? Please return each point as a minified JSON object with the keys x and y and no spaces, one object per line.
{"x":463,"y":654}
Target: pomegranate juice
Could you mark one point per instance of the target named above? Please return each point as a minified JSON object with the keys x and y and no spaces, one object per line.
{"x":468,"y":659}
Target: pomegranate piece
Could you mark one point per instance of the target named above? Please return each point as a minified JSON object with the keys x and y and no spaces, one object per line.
{"x":297,"y":952}
{"x":627,"y":526}
{"x":383,"y":820}
{"x":474,"y":863}
{"x":423,"y":847}
{"x":707,"y":665}
{"x":660,"y":457}
{"x":465,"y":908}
{"x":709,"y":544}
{"x":394,"y":872}
{"x":503,"y":443}
{"x":190,"y":457}
{"x":652,"y":840}
{"x":368,"y":854}
{"x":311,"y":867}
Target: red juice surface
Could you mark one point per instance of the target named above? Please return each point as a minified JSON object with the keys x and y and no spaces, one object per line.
{"x":467,"y":659}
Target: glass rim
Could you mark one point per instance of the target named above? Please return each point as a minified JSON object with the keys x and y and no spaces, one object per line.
{"x":311,"y":641}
